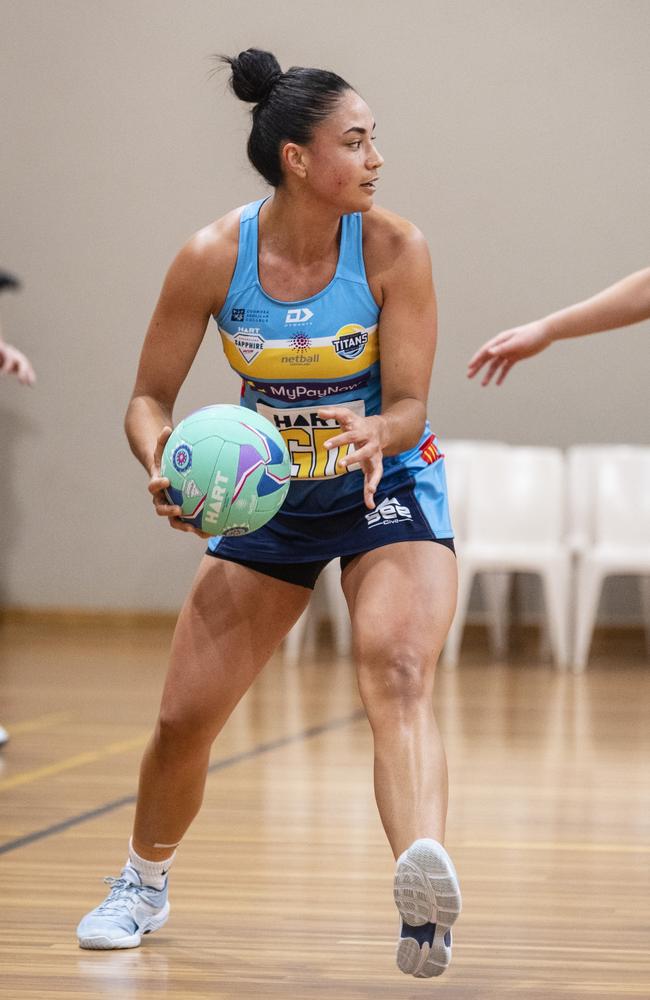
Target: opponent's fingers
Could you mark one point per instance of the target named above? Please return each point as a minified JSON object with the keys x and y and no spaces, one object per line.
{"x":495,"y":364}
{"x":487,"y":351}
{"x":504,"y":371}
{"x":26,"y":374}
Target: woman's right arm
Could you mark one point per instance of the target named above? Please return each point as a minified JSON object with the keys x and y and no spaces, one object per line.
{"x":624,"y":303}
{"x":195,"y":287}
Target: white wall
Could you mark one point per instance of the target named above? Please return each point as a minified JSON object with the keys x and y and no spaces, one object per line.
{"x":515,"y":135}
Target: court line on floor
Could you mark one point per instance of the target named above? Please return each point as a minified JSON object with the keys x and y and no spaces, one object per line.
{"x":552,"y":845}
{"x":40,"y":722}
{"x":217,"y":765}
{"x":88,"y":757}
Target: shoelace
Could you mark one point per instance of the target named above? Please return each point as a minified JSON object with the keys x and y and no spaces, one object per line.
{"x":119,"y":889}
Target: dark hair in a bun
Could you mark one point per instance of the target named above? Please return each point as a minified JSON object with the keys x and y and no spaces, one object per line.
{"x":288,"y":106}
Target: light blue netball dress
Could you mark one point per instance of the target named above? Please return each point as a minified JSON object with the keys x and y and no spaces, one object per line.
{"x":293,"y":358}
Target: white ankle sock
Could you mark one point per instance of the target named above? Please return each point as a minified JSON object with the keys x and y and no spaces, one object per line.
{"x":153,"y":873}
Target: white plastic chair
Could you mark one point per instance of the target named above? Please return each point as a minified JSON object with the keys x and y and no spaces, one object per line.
{"x":327,"y":592}
{"x":581,"y":465}
{"x":622,"y":537}
{"x":515,"y":523}
{"x":495,"y":587}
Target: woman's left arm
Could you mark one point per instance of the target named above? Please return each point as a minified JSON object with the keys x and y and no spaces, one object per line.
{"x":407,"y":342}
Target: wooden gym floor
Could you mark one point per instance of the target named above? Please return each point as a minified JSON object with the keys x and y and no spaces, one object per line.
{"x":283,"y":887}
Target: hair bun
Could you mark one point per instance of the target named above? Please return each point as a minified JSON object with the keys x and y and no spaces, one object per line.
{"x":254,"y":73}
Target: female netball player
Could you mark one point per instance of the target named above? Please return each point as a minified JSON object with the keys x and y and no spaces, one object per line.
{"x":326,"y":309}
{"x":626,"y":302}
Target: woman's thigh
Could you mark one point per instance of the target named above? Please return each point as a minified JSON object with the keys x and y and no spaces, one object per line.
{"x":230,"y":624}
{"x":401,"y":597}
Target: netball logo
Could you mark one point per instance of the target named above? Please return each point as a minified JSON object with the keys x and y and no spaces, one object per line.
{"x":350,"y":341}
{"x":300,"y":342}
{"x":182,"y":457}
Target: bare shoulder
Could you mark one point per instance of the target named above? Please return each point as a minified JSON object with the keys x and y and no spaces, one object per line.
{"x":390,"y":242}
{"x":214,"y":247}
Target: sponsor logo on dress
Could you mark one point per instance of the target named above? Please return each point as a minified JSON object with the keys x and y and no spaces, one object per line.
{"x":388,"y":512}
{"x":429,"y":450}
{"x":298,"y":315}
{"x":305,"y":433}
{"x":300,"y":359}
{"x":350,"y":341}
{"x":249,"y":315}
{"x":296,"y":391}
{"x":182,"y":457}
{"x":249,"y":342}
{"x":300,"y":342}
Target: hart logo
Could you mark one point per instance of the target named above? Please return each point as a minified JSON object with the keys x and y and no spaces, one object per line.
{"x":217,"y":499}
{"x":305,"y":433}
{"x":350,"y":341}
{"x":298,"y":315}
{"x":249,"y":343}
{"x":388,"y":512}
{"x":182,"y":457}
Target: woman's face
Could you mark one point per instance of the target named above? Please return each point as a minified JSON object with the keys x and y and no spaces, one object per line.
{"x":341,"y":162}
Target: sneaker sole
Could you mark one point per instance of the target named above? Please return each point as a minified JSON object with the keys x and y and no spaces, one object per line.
{"x":426,"y":890}
{"x":100,"y":943}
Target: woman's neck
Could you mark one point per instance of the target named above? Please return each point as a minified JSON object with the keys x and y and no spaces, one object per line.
{"x":299,"y":228}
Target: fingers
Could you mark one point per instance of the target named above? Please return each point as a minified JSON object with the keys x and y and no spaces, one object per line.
{"x":504,"y":371}
{"x":339,"y":413}
{"x":178,"y":525}
{"x":371,"y":482}
{"x":348,"y":437}
{"x":14,"y":362}
{"x":491,"y":349}
{"x":163,"y":437}
{"x":494,"y":365}
{"x":359,"y":455}
{"x":157,"y":487}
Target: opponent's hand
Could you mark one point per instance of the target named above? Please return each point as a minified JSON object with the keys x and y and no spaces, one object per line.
{"x":157,"y":486}
{"x":367,"y":434}
{"x":14,"y":362}
{"x":507,"y":348}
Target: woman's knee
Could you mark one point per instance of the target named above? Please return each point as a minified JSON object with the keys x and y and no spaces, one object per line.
{"x":179,"y":733}
{"x":395,"y":677}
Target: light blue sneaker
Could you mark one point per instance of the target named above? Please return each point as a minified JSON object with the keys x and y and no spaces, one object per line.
{"x":130,"y":910}
{"x":427,"y":895}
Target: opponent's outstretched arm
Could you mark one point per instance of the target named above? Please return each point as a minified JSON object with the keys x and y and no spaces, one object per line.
{"x":624,"y":303}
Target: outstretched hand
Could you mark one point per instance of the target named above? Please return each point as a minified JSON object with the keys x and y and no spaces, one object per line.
{"x":14,"y":362}
{"x":157,"y":486}
{"x":367,"y":435}
{"x":506,"y":349}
